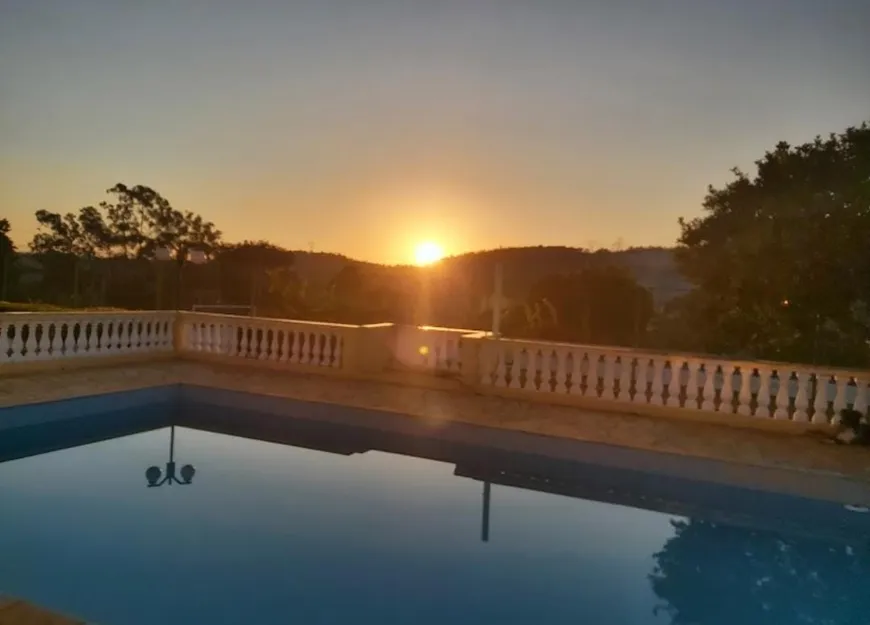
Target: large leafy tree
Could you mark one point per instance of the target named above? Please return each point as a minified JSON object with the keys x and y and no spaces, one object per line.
{"x":258,"y":273}
{"x":601,"y":304}
{"x":7,"y":257}
{"x":780,"y":259}
{"x":94,"y":245}
{"x":141,"y":220}
{"x":133,"y":225}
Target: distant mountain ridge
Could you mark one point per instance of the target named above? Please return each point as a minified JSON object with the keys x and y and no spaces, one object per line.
{"x":653,"y":267}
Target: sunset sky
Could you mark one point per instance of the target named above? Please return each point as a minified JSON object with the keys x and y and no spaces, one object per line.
{"x":366,"y":126}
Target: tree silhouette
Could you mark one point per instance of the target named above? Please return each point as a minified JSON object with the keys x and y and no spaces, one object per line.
{"x":780,"y":260}
{"x":599,"y":304}
{"x":713,"y":574}
{"x":255,"y":273}
{"x":7,"y":257}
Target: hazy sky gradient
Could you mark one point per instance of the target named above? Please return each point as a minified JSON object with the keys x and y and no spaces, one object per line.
{"x":364,"y":126}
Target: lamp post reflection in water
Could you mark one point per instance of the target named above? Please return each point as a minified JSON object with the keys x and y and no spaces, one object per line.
{"x":154,"y":474}
{"x":484,"y":522}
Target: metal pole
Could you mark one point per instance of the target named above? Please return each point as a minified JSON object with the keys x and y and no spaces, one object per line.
{"x":484,"y":523}
{"x":497,"y":300}
{"x":172,"y":443}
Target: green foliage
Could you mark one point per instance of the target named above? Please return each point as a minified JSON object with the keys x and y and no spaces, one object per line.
{"x":139,"y":221}
{"x":7,"y":257}
{"x":260,"y":274}
{"x":602,"y":304}
{"x":780,"y":261}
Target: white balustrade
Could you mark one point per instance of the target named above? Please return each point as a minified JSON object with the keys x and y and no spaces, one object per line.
{"x":34,"y":337}
{"x":635,"y":380}
{"x":277,"y":341}
{"x":766,"y":391}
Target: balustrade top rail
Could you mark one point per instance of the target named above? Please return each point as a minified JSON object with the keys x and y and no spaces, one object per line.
{"x":241,"y":318}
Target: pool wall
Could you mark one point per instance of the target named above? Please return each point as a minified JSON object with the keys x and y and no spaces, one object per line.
{"x":760,"y":497}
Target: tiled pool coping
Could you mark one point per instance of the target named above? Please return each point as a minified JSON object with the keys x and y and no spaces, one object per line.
{"x":813,"y":463}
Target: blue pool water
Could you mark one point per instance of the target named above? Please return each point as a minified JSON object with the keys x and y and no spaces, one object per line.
{"x":272,"y":533}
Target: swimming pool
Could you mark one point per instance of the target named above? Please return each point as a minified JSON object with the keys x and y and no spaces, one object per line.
{"x":315,"y":521}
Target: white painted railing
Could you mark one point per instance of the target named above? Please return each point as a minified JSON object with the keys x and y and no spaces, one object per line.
{"x":694,"y":384}
{"x":267,"y":340}
{"x":429,"y":348}
{"x":34,"y":337}
{"x":620,"y":378}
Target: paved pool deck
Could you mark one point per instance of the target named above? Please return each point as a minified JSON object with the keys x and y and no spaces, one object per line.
{"x":439,"y":400}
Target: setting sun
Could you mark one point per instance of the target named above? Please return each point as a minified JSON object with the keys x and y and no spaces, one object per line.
{"x":428,"y":253}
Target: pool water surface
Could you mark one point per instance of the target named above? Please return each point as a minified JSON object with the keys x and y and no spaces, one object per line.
{"x":269,"y":533}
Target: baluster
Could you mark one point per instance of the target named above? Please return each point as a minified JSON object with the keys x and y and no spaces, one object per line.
{"x":688,"y":382}
{"x":511,"y":368}
{"x":198,"y":337}
{"x":765,"y":383}
{"x":121,"y":337}
{"x":559,"y":366}
{"x":54,"y":340}
{"x":572,"y":373}
{"x":335,"y":360}
{"x":16,"y":343}
{"x":580,"y":373}
{"x":273,"y":345}
{"x":844,"y":390}
{"x":75,"y":336}
{"x":713,"y":375}
{"x":654,"y":372}
{"x":135,"y":335}
{"x":295,"y":350}
{"x":5,"y":342}
{"x":204,"y":331}
{"x":862,"y":396}
{"x":661,"y":380}
{"x":820,"y":403}
{"x":783,"y":394}
{"x":645,"y":375}
{"x":101,"y":337}
{"x":799,"y":384}
{"x":107,"y":337}
{"x":604,"y":372}
{"x":261,"y":342}
{"x":146,"y":336}
{"x":30,"y":341}
{"x":219,"y":332}
{"x":554,"y":371}
{"x":670,"y":383}
{"x":744,"y":397}
{"x":520,"y":370}
{"x":67,"y":339}
{"x":537,"y":377}
{"x":500,"y":367}
{"x":730,"y":386}
{"x":304,"y":348}
{"x":626,"y":369}
{"x":321,"y":343}
{"x":313,"y":349}
{"x":36,"y":337}
{"x":284,"y":346}
{"x":241,"y":339}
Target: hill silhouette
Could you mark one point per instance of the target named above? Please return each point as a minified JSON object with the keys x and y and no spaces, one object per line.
{"x":653,"y":267}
